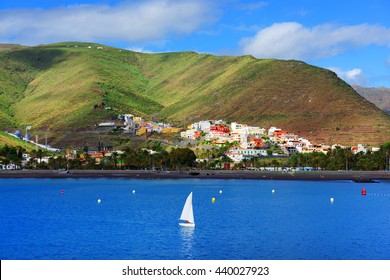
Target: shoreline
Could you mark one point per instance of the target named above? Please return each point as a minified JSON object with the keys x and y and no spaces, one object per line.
{"x":358,"y":176}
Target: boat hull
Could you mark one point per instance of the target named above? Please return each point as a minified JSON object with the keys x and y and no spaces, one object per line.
{"x":187,"y":225}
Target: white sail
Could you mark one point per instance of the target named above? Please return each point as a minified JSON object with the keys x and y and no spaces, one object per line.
{"x":188,"y":214}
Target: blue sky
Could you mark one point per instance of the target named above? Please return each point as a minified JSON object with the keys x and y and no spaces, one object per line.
{"x":351,"y":38}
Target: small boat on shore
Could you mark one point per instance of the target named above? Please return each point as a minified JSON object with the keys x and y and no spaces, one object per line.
{"x":63,"y":170}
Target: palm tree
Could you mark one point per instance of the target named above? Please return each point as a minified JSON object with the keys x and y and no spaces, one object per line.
{"x":115,"y":158}
{"x":39,"y":155}
{"x":385,"y":150}
{"x":275,"y":163}
{"x":348,"y":158}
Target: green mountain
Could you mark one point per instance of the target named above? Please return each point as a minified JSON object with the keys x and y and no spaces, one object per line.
{"x":64,"y":87}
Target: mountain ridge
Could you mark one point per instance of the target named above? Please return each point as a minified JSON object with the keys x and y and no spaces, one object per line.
{"x":379,"y":96}
{"x":57,"y":88}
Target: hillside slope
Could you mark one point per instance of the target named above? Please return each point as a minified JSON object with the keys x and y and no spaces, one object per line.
{"x":6,"y":139}
{"x":67,"y":86}
{"x":300,"y":98}
{"x":379,"y":96}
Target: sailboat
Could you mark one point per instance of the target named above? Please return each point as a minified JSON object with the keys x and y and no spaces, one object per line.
{"x":187,"y":214}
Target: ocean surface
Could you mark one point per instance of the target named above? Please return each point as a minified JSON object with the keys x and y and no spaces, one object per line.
{"x":62,"y":219}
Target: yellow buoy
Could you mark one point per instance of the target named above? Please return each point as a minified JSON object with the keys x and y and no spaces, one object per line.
{"x":213,"y":200}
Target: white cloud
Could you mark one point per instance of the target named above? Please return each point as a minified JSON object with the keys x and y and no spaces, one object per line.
{"x":129,"y":21}
{"x":291,"y":40}
{"x":352,"y":77}
{"x":140,"y":50}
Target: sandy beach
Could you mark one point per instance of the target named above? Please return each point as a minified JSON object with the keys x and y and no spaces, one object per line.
{"x":361,"y":176}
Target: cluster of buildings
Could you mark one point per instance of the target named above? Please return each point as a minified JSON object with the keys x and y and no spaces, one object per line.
{"x":246,"y":141}
{"x":12,"y":166}
{"x":252,"y":141}
{"x":137,"y":126}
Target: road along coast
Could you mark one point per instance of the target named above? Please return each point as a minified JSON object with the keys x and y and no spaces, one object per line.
{"x":357,"y":176}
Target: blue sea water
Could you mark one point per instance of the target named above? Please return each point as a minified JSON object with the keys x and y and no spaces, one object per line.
{"x":247,"y":221}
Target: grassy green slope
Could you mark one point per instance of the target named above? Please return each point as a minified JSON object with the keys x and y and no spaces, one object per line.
{"x":6,"y":139}
{"x":64,"y":83}
{"x":17,"y":69}
{"x":54,"y":98}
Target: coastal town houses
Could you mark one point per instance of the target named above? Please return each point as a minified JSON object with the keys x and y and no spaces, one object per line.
{"x":255,"y":142}
{"x":201,"y":126}
{"x":191,"y":134}
{"x":135,"y":125}
{"x":359,"y":149}
{"x":238,"y":154}
{"x":10,"y":166}
{"x":219,"y":132}
{"x":235,"y":156}
{"x":247,"y":130}
{"x":252,"y":141}
{"x":100,"y":156}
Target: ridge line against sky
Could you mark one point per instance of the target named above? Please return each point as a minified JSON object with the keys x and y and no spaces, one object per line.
{"x":351,"y":38}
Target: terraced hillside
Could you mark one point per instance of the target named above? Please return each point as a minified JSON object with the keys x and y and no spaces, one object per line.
{"x":66,"y":87}
{"x":307,"y":100}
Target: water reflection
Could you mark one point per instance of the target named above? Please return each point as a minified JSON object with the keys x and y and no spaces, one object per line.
{"x":187,"y":241}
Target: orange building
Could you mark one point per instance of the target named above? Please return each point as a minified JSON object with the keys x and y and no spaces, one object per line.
{"x":257,"y":142}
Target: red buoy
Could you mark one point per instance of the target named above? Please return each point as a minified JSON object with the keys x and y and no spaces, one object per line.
{"x":364,"y":191}
{"x":62,"y":191}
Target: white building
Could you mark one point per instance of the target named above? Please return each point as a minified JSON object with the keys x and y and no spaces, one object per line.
{"x":237,"y":127}
{"x":289,"y":137}
{"x":358,"y":149}
{"x":201,"y":126}
{"x":234,"y":156}
{"x":239,"y":137}
{"x":273,"y":129}
{"x":190,"y":134}
{"x":222,"y":122}
{"x":128,"y":119}
{"x":204,"y":126}
{"x":250,"y":152}
{"x":9,"y":166}
{"x":43,"y":159}
{"x":106,"y":124}
{"x":255,"y":131}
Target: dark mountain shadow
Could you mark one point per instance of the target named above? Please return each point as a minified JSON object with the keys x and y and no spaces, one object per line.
{"x":34,"y":58}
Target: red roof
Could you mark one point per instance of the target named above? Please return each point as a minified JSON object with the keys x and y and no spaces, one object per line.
{"x":279,"y":133}
{"x":197,"y":134}
{"x":220,"y":128}
{"x":258,"y":141}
